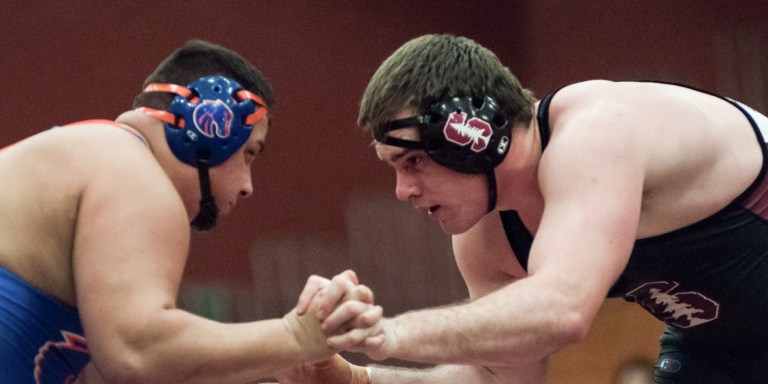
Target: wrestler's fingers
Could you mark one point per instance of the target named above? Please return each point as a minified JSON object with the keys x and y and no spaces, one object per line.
{"x":350,"y":275}
{"x":354,"y":339}
{"x":314,"y":284}
{"x":375,"y":342}
{"x":339,"y":286}
{"x":367,"y":319}
{"x":342,"y":314}
{"x":351,"y":314}
{"x":374,"y":345}
{"x":360,"y":293}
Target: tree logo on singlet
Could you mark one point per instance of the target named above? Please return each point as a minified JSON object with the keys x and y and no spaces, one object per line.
{"x":666,"y":302}
{"x":60,"y":362}
{"x":459,"y":130}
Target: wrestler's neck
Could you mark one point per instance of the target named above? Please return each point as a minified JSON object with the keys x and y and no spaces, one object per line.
{"x":142,"y":123}
{"x":184,"y":177}
{"x":517,"y":176}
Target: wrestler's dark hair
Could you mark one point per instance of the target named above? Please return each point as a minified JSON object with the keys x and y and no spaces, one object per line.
{"x":199,"y":58}
{"x":432,"y":66}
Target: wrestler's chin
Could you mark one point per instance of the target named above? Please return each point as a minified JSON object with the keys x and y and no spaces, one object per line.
{"x":452,"y":223}
{"x":454,"y":228}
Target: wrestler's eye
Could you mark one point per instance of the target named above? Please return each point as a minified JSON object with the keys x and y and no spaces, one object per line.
{"x":413,"y":161}
{"x":249,"y":156}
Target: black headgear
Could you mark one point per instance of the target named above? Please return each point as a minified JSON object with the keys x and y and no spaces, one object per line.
{"x":466,"y":134}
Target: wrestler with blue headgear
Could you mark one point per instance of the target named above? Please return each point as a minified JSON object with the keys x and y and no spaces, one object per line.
{"x":207,"y":122}
{"x":94,"y":236}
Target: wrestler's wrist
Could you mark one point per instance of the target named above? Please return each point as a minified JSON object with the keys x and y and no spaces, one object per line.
{"x":369,"y":374}
{"x":337,"y":370}
{"x":389,"y":347}
{"x":360,"y":375}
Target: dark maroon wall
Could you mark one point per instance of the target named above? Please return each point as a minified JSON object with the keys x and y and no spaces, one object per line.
{"x":74,"y":60}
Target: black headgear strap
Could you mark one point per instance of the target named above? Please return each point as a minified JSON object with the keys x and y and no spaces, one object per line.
{"x":416,"y":121}
{"x":206,"y":217}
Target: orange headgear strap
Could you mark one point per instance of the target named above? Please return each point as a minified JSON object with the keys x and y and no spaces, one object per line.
{"x":184,"y":92}
{"x":260,"y":112}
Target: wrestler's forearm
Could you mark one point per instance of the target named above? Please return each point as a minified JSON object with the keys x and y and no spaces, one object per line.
{"x":514,"y":325}
{"x":186,"y":348}
{"x":466,"y":374}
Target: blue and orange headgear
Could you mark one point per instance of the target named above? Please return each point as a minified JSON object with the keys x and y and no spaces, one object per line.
{"x":206,"y":123}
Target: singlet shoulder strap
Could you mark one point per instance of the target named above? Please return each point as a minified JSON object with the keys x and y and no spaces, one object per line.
{"x":542,"y":118}
{"x":135,"y":132}
{"x":115,"y":124}
{"x":518,"y":236}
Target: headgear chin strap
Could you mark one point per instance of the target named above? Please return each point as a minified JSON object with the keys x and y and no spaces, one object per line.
{"x":466,"y":134}
{"x":206,"y":123}
{"x":206,"y":217}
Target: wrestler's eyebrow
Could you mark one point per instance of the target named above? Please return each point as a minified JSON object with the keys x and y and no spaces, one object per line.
{"x":400,"y":155}
{"x":397,"y":156}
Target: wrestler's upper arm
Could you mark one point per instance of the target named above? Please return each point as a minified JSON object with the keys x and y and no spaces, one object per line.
{"x":130,"y":246}
{"x":591,"y":178}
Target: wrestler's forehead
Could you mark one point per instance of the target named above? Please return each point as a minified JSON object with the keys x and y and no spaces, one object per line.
{"x":389,"y":152}
{"x":405,"y":112}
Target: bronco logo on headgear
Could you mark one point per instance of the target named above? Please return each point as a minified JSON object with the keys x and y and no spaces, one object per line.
{"x":213,"y":117}
{"x":210,"y":118}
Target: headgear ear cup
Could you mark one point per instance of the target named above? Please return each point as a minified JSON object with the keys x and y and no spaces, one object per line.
{"x":206,"y":123}
{"x":466,"y":134}
{"x":214,"y":121}
{"x":213,"y":116}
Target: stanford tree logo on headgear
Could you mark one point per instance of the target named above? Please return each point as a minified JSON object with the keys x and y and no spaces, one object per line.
{"x":462,"y":132}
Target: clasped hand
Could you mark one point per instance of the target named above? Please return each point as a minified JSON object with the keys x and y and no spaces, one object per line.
{"x":346,"y":313}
